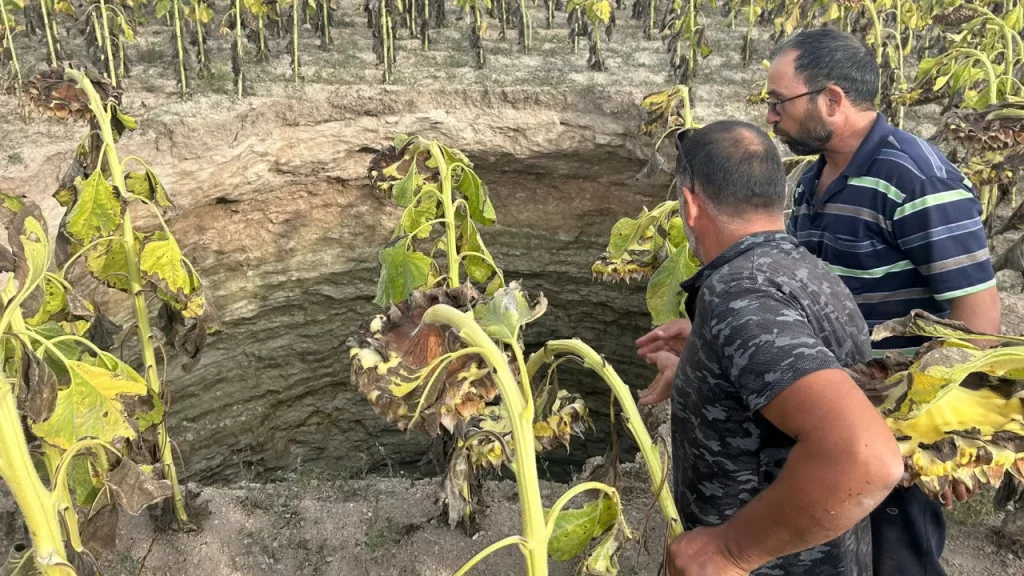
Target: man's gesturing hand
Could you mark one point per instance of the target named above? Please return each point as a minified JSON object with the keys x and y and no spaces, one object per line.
{"x":670,"y":336}
{"x":702,"y":552}
{"x":661,"y":388}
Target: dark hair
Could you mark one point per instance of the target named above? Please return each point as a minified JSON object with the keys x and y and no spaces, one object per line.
{"x":734,"y":165}
{"x":830,"y":56}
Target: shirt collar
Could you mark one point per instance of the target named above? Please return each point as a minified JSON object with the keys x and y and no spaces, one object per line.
{"x":737,"y":249}
{"x":862,"y":158}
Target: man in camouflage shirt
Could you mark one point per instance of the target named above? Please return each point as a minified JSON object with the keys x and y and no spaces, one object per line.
{"x":778,"y":456}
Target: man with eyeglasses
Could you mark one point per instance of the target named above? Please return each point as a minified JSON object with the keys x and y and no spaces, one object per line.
{"x":894,"y":219}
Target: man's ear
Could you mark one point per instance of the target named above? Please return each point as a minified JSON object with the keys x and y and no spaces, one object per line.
{"x":690,"y":206}
{"x":834,"y":98}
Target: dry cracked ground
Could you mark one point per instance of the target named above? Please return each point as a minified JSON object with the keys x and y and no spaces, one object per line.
{"x":294,"y":472}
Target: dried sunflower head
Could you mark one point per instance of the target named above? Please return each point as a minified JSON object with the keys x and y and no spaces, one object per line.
{"x":400,"y":365}
{"x":956,"y":410}
{"x":54,"y":95}
{"x":955,"y":16}
{"x":626,"y":268}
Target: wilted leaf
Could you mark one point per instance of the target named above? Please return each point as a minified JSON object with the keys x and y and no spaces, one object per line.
{"x":921,"y":323}
{"x":457,"y":495}
{"x":90,"y":407}
{"x":405,"y":189}
{"x":401,"y":272}
{"x":20,"y":562}
{"x":108,"y":263}
{"x":472,"y":189}
{"x":655,"y":165}
{"x":161,"y":261}
{"x":96,"y":212}
{"x":476,"y":267}
{"x":603,"y":560}
{"x":53,"y":302}
{"x":40,"y":398}
{"x":576,"y":529}
{"x":67,"y":348}
{"x":502,"y":316}
{"x":84,"y":480}
{"x":99,"y":532}
{"x":102,"y":332}
{"x":148,"y":186}
{"x":134,"y":490}
{"x":9,"y":207}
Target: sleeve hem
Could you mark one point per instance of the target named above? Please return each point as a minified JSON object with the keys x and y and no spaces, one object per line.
{"x":966,"y":291}
{"x":793,"y":377}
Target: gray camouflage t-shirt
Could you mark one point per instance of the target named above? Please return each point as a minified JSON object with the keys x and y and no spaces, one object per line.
{"x":765,"y":314}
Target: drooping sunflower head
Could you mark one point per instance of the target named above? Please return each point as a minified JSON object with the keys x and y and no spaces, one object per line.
{"x":53,"y":94}
{"x":403,"y":366}
{"x":956,"y":410}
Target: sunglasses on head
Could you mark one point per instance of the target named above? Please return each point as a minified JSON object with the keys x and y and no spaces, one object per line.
{"x":681,"y":137}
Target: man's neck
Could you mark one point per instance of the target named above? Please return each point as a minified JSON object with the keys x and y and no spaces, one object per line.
{"x":846,"y":139}
{"x":726,"y":236}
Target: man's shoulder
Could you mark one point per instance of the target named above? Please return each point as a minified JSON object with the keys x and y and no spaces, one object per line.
{"x":906,"y":160}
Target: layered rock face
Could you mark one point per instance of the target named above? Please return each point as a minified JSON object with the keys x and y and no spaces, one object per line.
{"x":274,"y":209}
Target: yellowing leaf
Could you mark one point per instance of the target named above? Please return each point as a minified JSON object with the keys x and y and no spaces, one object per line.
{"x":54,"y":301}
{"x":108,"y":263}
{"x":96,"y":212}
{"x":146,"y":185}
{"x":90,"y":407}
{"x":161,"y":261}
{"x":575,"y":529}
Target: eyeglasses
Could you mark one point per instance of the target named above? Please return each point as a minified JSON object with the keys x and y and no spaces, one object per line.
{"x":774,"y":105}
{"x":681,"y":137}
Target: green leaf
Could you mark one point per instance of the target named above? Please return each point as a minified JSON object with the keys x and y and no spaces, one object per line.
{"x":575,"y":529}
{"x":472,"y":189}
{"x":96,"y":212}
{"x":940,"y":82}
{"x":67,"y":348}
{"x":147,"y":185}
{"x":621,"y":237}
{"x":1014,"y":19}
{"x":477,"y":268}
{"x":502,"y":316}
{"x":162,"y":8}
{"x":415,"y":218}
{"x":90,"y":407}
{"x":676,"y":232}
{"x":664,"y":295}
{"x":161,"y":261}
{"x":84,"y":483}
{"x":405,"y":190}
{"x":924,"y":69}
{"x":108,"y":262}
{"x":401,"y":272}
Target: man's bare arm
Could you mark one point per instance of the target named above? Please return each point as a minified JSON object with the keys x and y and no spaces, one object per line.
{"x":843,"y":465}
{"x":979,"y":311}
